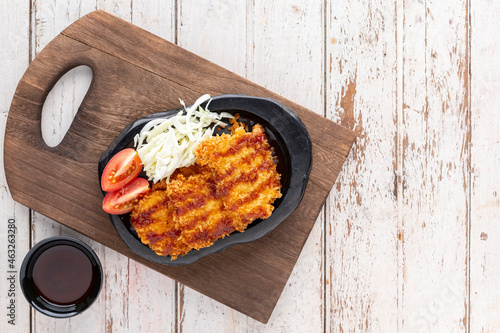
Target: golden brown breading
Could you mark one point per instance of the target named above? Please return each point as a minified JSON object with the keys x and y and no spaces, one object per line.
{"x":153,"y":221}
{"x":233,"y":183}
{"x":245,"y":173}
{"x":186,"y":172}
{"x":198,"y":212}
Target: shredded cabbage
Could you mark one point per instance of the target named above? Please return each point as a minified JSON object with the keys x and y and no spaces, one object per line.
{"x":167,"y":144}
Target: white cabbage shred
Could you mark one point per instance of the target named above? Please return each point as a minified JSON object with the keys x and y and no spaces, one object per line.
{"x":167,"y":144}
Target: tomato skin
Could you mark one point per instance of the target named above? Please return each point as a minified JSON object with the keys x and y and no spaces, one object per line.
{"x":124,"y":200}
{"x":121,"y":169}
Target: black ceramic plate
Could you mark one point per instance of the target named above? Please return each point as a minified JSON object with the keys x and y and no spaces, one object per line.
{"x":287,"y":136}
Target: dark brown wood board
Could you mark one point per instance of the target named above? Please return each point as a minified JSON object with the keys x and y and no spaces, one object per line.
{"x":136,"y":73}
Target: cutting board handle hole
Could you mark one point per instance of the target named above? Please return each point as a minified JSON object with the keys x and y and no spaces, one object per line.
{"x":62,"y":104}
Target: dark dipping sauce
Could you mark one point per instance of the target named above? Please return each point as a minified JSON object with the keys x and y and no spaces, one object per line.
{"x":63,"y":275}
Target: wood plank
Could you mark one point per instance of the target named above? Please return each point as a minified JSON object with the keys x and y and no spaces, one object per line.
{"x":157,"y":17}
{"x":295,"y":41}
{"x":42,"y":228}
{"x":354,"y":235}
{"x":435,"y":163}
{"x":14,"y":59}
{"x":117,"y":287}
{"x":362,"y":213}
{"x":152,"y":297}
{"x":136,"y":76}
{"x":199,"y":28}
{"x":485,"y":167}
{"x":119,"y":296}
{"x":61,"y":105}
{"x":200,"y":31}
{"x":14,"y":217}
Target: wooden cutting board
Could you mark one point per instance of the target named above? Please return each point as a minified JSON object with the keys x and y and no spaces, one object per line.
{"x":136,"y":73}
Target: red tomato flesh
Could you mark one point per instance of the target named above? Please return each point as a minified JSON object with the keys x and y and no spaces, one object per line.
{"x":124,"y":167}
{"x":124,"y":200}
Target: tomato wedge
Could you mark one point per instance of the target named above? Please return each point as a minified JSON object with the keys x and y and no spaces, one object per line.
{"x":124,"y":167}
{"x":124,"y":200}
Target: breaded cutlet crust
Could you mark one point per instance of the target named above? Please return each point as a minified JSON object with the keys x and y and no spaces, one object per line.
{"x":245,"y":173}
{"x":153,"y":221}
{"x":233,"y":183}
{"x":198,"y":211}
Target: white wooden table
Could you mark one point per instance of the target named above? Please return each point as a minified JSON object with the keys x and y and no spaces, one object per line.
{"x":409,"y":237}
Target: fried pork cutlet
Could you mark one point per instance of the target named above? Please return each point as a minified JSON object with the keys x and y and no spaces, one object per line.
{"x":187,"y":172}
{"x":244,"y":172}
{"x":153,"y":221}
{"x":198,"y":211}
{"x":233,"y":183}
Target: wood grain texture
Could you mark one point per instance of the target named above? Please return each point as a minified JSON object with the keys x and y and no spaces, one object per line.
{"x":91,"y":133}
{"x":199,"y":31}
{"x":362,"y":213}
{"x":119,"y":304}
{"x":151,"y":297}
{"x":273,"y":57}
{"x":435,"y":167}
{"x":60,"y":107}
{"x":42,"y":228}
{"x":14,"y":59}
{"x":485,"y":167}
{"x":268,"y":67}
{"x":387,"y":67}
